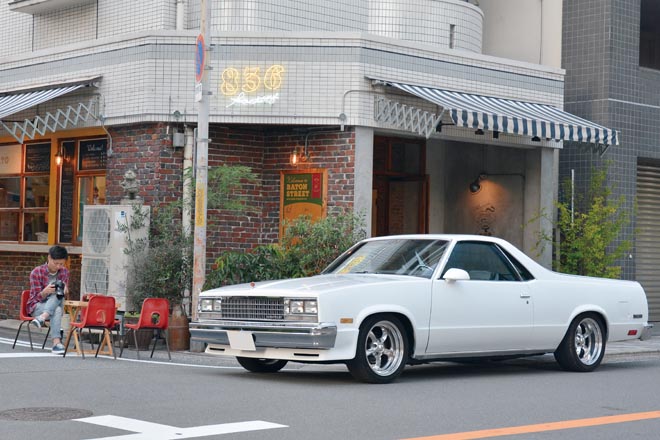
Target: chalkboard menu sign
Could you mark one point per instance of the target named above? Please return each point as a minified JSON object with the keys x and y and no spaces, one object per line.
{"x":37,"y":158}
{"x":66,"y":199}
{"x":92,"y":154}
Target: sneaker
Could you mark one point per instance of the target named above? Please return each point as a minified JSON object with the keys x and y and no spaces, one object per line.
{"x":58,"y":349}
{"x":37,"y":322}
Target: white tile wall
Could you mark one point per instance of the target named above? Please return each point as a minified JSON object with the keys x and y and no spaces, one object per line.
{"x":147,"y":67}
{"x":59,"y":28}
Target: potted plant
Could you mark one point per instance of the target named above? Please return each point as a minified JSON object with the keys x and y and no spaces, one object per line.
{"x":160,"y":265}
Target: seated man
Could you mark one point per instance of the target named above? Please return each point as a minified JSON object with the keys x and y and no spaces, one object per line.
{"x":48,"y":285}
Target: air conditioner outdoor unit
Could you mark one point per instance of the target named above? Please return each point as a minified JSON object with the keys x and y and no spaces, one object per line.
{"x":104,"y":263}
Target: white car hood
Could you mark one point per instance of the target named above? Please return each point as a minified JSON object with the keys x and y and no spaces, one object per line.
{"x":310,"y":286}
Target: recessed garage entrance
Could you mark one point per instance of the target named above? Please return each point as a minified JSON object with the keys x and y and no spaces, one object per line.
{"x":648,"y":234}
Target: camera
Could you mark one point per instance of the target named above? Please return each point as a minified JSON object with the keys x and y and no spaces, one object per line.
{"x":59,"y":288}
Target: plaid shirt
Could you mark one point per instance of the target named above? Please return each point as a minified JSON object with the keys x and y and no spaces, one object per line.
{"x":39,"y":281}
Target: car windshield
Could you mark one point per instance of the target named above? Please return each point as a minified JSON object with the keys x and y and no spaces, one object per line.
{"x":396,"y":256}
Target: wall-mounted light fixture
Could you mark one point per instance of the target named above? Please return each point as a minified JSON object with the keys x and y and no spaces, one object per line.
{"x":298,"y":156}
{"x":475,"y":185}
{"x":301,"y":154}
{"x":59,"y":158}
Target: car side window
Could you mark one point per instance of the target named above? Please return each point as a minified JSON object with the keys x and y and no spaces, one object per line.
{"x":522,"y":270}
{"x":482,"y":261}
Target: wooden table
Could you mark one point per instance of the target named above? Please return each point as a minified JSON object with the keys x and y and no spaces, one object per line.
{"x":74,"y":310}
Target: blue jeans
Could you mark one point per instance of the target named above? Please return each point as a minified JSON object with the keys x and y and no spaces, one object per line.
{"x":53,"y":306}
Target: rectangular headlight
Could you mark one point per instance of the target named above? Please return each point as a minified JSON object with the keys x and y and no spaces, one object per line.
{"x":311,"y":307}
{"x":300,"y":307}
{"x":217,"y":305}
{"x":296,"y":307}
{"x":206,"y":305}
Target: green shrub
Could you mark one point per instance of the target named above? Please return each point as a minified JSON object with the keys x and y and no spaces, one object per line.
{"x":306,"y":248}
{"x":588,"y":233}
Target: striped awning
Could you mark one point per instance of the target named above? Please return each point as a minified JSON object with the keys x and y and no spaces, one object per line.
{"x":12,"y":103}
{"x":15,"y":100}
{"x":513,"y":117}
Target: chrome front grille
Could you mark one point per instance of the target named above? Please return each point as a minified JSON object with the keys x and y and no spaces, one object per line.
{"x":252,"y":308}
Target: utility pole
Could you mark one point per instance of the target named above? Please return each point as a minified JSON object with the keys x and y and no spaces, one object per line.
{"x":202,"y":96}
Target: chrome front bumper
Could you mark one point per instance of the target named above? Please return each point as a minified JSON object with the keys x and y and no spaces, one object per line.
{"x":267,"y":334}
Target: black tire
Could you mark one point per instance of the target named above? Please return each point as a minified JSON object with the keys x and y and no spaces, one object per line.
{"x":382,"y":350}
{"x":261,"y":365}
{"x":583,"y":346}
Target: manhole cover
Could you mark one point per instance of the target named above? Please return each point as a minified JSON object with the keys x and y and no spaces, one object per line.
{"x":44,"y":414}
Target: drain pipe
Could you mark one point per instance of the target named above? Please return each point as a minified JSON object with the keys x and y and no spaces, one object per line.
{"x":180,"y":11}
{"x":186,"y":220}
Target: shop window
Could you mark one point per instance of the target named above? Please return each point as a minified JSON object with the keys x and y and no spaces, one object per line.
{"x":649,"y":34}
{"x":25,"y":176}
{"x":24,"y":192}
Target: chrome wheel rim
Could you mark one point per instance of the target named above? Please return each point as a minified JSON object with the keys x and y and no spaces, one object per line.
{"x":588,"y":341}
{"x":384,"y":348}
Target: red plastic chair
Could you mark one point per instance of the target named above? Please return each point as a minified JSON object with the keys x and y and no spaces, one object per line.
{"x":86,"y":297}
{"x":153,"y":316}
{"x":25,"y":317}
{"x":99,"y":314}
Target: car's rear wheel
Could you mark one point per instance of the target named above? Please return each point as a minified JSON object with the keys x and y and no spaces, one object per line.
{"x":583,"y":346}
{"x":382,"y":350}
{"x":261,"y":365}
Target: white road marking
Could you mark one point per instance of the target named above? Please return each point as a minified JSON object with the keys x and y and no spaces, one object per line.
{"x":73,"y":353}
{"x":154,"y":431}
{"x":178,"y":364}
{"x":27,"y":355}
{"x":22,"y":343}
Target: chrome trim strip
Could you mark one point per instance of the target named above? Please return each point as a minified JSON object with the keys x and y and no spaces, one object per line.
{"x":259,"y":325}
{"x":479,"y":354}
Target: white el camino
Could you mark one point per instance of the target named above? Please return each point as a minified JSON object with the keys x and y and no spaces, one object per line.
{"x":397,"y":300}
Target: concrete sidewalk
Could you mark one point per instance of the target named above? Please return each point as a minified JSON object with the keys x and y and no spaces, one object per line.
{"x":651,"y":345}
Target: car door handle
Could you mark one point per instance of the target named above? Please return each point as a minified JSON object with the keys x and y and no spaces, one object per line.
{"x":525,"y":295}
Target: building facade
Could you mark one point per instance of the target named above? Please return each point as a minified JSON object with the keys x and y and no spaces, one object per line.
{"x":611,"y":54}
{"x":392,"y":109}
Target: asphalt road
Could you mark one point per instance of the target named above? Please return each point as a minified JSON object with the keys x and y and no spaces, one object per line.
{"x":200,"y":397}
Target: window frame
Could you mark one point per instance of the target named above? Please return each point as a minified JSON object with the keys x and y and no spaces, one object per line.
{"x":52,"y":212}
{"x":497,"y":251}
{"x":22,"y":209}
{"x":649,"y":35}
{"x":78,"y":175}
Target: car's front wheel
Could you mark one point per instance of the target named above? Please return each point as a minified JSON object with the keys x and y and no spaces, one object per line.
{"x":382,"y":350}
{"x":261,"y":365}
{"x":583,"y":346}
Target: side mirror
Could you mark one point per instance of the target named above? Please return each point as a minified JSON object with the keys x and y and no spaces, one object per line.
{"x":453,"y":275}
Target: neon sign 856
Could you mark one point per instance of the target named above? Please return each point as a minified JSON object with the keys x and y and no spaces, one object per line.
{"x":251,"y":79}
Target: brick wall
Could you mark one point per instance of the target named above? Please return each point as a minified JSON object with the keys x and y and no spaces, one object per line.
{"x":16,"y":278}
{"x":266,"y":151}
{"x":147,"y":149}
